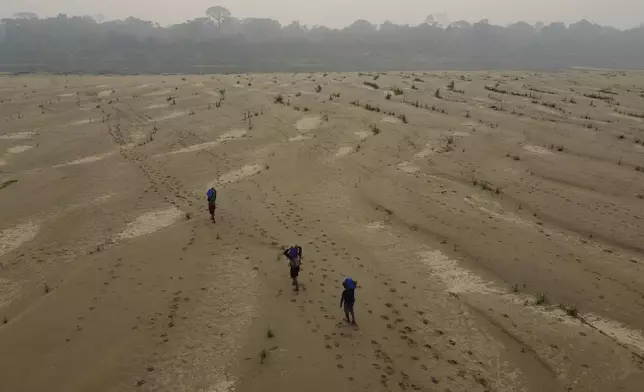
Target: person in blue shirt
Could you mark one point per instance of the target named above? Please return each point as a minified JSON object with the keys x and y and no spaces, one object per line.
{"x":294,"y":256}
{"x":349,"y":299}
{"x":212,"y":206}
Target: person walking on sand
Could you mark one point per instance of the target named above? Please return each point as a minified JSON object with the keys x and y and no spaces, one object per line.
{"x":349,"y":299}
{"x":212,"y":206}
{"x":294,"y":256}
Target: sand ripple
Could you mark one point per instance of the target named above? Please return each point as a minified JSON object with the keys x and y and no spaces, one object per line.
{"x":150,"y":222}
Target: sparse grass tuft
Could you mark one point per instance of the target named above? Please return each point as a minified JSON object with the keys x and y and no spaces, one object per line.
{"x":632,"y":114}
{"x":515,"y":288}
{"x":388,"y":96}
{"x":607,"y":91}
{"x":263,"y":355}
{"x":372,"y":108}
{"x":497,"y":108}
{"x":372,"y":85}
{"x":47,"y":288}
{"x":397,"y":90}
{"x":318,"y":89}
{"x":451,"y":85}
{"x":437,"y":94}
{"x":550,"y":105}
{"x":279,"y":99}
{"x":269,"y":333}
{"x":541,"y":299}
{"x":571,"y":310}
{"x":188,"y":215}
{"x":7,"y":183}
{"x":598,"y":96}
{"x":374,"y":129}
{"x":555,"y":147}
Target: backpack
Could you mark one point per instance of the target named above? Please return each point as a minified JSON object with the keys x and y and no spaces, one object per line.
{"x":293,"y":253}
{"x":350,"y":283}
{"x":212,"y":194}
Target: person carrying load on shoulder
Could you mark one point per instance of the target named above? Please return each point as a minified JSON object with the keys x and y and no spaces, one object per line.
{"x":212,"y":206}
{"x":348,"y":299}
{"x":294,"y":256}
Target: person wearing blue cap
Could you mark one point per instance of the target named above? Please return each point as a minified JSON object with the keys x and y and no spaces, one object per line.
{"x":348,"y":299}
{"x":212,"y":206}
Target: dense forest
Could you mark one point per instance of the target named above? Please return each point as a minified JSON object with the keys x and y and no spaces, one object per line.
{"x":220,"y":42}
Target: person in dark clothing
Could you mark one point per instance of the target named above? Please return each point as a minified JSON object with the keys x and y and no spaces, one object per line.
{"x":348,"y":299}
{"x":294,"y":256}
{"x":212,"y":206}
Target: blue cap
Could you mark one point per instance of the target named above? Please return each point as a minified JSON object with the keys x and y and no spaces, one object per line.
{"x":350,"y":283}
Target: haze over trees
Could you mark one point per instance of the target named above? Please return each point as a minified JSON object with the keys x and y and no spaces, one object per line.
{"x":221,"y":42}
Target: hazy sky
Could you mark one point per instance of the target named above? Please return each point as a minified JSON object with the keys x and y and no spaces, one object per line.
{"x":338,"y":13}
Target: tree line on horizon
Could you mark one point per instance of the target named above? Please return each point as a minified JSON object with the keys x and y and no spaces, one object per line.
{"x":220,"y":42}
